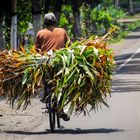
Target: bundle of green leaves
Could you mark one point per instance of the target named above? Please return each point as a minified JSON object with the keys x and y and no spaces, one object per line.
{"x":80,"y":75}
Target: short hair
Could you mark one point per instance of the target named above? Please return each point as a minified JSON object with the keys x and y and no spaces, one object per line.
{"x":49,"y":19}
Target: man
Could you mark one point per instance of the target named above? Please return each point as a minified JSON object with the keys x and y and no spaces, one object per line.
{"x":51,"y":38}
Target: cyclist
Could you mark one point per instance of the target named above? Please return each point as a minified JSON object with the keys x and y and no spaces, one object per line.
{"x":47,"y":39}
{"x":51,"y":37}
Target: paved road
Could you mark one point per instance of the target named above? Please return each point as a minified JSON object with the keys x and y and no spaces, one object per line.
{"x":119,"y":122}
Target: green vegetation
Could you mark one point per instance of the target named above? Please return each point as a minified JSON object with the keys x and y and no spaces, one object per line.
{"x":80,"y":75}
{"x":98,"y":20}
{"x":66,"y":19}
{"x":95,"y":18}
{"x":124,"y":30}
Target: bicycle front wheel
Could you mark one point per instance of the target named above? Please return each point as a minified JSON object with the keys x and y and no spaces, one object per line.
{"x":58,"y":120}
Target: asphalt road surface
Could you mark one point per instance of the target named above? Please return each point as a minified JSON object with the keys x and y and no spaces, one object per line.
{"x":121,"y":121}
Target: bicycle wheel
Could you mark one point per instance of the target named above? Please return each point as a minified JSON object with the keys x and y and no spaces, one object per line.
{"x":56,"y":113}
{"x":51,"y":118}
{"x":58,"y":120}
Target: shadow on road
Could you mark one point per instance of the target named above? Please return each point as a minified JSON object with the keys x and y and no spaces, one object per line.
{"x":88,"y":131}
{"x":130,"y":67}
{"x":125,"y":85}
{"x":133,"y":37}
{"x":126,"y":56}
{"x":68,"y":131}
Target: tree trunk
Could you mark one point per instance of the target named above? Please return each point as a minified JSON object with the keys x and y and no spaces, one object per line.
{"x":47,"y":5}
{"x":117,"y":3}
{"x":57,"y":5}
{"x":37,"y":23}
{"x":57,"y":9}
{"x":77,"y":27}
{"x":13,"y":36}
{"x":76,"y":14}
{"x":1,"y":32}
{"x":131,"y":10}
{"x":37,"y":16}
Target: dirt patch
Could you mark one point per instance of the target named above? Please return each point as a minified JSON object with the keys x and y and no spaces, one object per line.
{"x":16,"y":124}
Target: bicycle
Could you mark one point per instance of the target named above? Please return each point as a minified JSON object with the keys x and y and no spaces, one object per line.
{"x":51,"y":106}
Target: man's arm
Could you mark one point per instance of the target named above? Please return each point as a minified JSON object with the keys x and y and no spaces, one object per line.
{"x":68,"y":41}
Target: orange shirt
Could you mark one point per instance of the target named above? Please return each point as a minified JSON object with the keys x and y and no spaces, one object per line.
{"x":52,"y":38}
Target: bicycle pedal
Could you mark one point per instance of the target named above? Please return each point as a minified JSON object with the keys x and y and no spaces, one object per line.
{"x":43,"y":108}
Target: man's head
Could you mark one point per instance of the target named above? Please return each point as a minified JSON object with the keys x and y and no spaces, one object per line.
{"x":49,"y":19}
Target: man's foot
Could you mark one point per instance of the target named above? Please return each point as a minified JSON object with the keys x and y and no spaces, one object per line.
{"x":64,"y":116}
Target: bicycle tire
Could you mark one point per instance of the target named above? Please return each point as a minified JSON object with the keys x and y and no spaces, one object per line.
{"x":51,"y":118}
{"x":58,"y":121}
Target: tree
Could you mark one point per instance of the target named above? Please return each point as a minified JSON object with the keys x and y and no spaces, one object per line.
{"x":57,"y":8}
{"x":130,"y":3}
{"x":116,"y":3}
{"x":13,"y":36}
{"x":23,"y":17}
{"x":47,"y":6}
{"x":76,"y":13}
{"x":37,"y":15}
{"x":4,"y":10}
{"x":1,"y":31}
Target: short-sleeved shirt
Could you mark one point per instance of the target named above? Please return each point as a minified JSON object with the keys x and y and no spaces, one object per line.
{"x":49,"y":39}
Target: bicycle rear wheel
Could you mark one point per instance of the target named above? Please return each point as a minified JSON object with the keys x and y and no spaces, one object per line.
{"x":51,"y":118}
